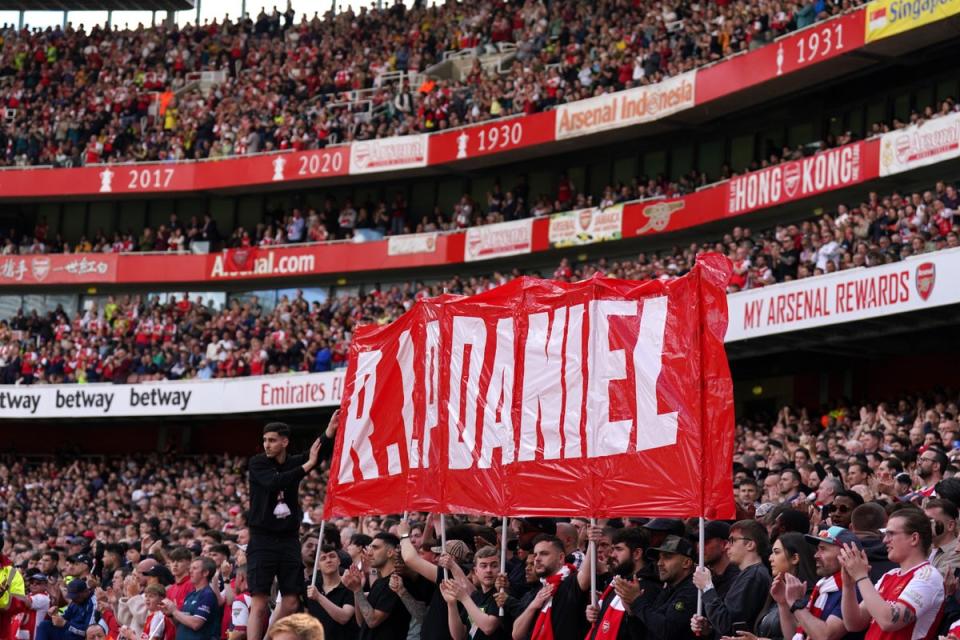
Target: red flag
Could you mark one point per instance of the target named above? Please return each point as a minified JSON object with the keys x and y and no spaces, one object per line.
{"x":600,"y":398}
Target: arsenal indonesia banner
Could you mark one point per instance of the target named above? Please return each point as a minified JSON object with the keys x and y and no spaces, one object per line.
{"x":601,"y":398}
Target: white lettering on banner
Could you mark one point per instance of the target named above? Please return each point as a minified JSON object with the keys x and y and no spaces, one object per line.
{"x":498,"y":240}
{"x":466,"y":357}
{"x":358,"y":427}
{"x":224,"y":264}
{"x":405,"y":364}
{"x":433,"y":388}
{"x":654,"y":429}
{"x":552,"y":384}
{"x":920,"y":145}
{"x":605,"y":437}
{"x":411,"y":243}
{"x":193,"y":397}
{"x":144,"y":179}
{"x":542,"y":364}
{"x":497,"y":417}
{"x":845,"y":296}
{"x":573,"y":377}
{"x":388,"y":154}
{"x":823,"y":171}
{"x":317,"y":163}
{"x":626,"y":108}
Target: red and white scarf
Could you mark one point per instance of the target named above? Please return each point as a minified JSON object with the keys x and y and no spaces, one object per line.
{"x":542,"y":628}
{"x":608,"y":625}
{"x":818,"y":598}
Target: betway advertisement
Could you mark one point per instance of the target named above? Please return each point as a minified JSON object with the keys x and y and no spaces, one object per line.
{"x":626,"y":108}
{"x":887,"y":18}
{"x":498,"y":240}
{"x":388,"y":154}
{"x":188,"y":398}
{"x":824,"y":171}
{"x":917,"y":146}
{"x":920,"y":282}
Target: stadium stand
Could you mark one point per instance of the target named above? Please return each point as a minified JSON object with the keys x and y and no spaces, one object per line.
{"x":846,"y":430}
{"x":274,"y":83}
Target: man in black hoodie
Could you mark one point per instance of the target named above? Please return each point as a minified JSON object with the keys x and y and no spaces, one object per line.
{"x":866,"y":522}
{"x":274,"y":521}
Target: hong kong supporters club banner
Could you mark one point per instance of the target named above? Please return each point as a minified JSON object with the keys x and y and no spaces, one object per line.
{"x":188,"y":398}
{"x":604,"y":397}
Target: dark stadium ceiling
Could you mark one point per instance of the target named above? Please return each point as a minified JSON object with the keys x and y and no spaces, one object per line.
{"x":96,"y":5}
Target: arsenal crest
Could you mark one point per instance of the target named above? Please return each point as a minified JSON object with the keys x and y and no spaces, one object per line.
{"x":791,"y":178}
{"x":40,"y":268}
{"x":925,"y":279}
{"x":586,"y":218}
{"x":239,"y":258}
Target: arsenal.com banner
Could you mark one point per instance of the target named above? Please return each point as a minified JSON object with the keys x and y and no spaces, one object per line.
{"x":600,"y":398}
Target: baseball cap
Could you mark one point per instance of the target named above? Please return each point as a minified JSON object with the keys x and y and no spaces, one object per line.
{"x":81,"y":557}
{"x":673,"y":544}
{"x":716,"y":529}
{"x":77,"y":587}
{"x":37,"y":577}
{"x":672,"y":526}
{"x":835,"y":535}
{"x":458,"y":549}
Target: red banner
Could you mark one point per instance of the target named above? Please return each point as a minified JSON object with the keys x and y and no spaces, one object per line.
{"x":58,"y":269}
{"x":493,"y":137}
{"x":169,"y":177}
{"x":824,"y":171}
{"x":601,"y":398}
{"x":800,"y":50}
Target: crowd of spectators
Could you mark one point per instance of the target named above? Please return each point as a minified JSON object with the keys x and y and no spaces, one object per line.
{"x":133,"y":339}
{"x":345,"y":220}
{"x":74,"y":96}
{"x":812,"y":488}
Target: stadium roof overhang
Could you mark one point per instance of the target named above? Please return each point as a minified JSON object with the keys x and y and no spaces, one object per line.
{"x":96,"y":5}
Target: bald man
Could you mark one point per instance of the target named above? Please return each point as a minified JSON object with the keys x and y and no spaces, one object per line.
{"x":131,"y":608}
{"x":570,"y":537}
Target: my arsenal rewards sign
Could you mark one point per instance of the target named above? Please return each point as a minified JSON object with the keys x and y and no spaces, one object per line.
{"x":600,"y":398}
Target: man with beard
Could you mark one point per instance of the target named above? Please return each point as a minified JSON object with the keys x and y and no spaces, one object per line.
{"x":380,"y":614}
{"x":553,"y":612}
{"x":666,"y":615}
{"x":631,"y":577}
{"x":931,"y":465}
{"x":943,"y":514}
{"x":715,"y":534}
{"x":477,"y":615}
{"x":819,"y":617}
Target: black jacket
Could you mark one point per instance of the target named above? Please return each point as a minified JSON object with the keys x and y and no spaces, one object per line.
{"x":666,"y":615}
{"x":268,"y":480}
{"x":743,"y":602}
